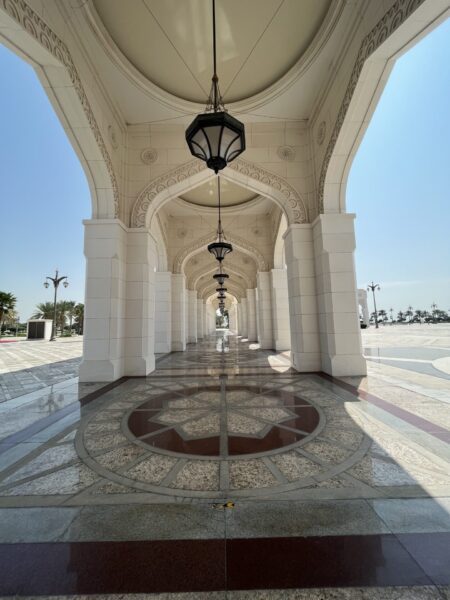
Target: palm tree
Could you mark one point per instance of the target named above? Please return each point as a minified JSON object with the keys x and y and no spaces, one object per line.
{"x":44,"y":310}
{"x":7,"y":304}
{"x":383,"y":315}
{"x":409,"y":313}
{"x":70,"y":312}
{"x":62,"y":309}
{"x":79,"y":317}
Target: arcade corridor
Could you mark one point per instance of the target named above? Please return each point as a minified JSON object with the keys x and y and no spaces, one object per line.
{"x":224,"y":470}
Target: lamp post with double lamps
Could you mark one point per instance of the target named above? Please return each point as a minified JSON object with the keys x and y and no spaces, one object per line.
{"x":56,"y":281}
{"x":371,"y":288}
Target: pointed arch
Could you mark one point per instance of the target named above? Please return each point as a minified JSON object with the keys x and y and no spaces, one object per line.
{"x":190,"y":175}
{"x":185,"y":254}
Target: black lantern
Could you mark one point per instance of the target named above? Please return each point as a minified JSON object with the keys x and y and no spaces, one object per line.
{"x":220,"y":277}
{"x":220,"y":248}
{"x":221,"y":289}
{"x":215,"y":136}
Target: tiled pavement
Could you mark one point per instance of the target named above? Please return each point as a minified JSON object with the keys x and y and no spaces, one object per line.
{"x":27,"y":366}
{"x":331,"y":488}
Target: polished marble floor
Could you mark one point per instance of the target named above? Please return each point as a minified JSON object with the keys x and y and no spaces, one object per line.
{"x":227,"y":456}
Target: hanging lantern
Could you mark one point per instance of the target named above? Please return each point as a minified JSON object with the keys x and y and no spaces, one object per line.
{"x":215,"y":136}
{"x":220,"y":277}
{"x":221,"y":289}
{"x":220,"y":248}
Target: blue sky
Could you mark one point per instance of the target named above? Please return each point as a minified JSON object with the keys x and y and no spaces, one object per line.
{"x":399,"y":187}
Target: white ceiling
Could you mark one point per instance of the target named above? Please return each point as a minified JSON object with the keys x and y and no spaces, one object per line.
{"x":206,"y":194}
{"x":170,"y":41}
{"x":154,"y":56}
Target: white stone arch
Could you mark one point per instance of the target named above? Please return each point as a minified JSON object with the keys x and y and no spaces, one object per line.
{"x":392,"y":35}
{"x":24,"y":32}
{"x":232,"y":288}
{"x":237,"y":273}
{"x":190,"y":175}
{"x":199,"y":245}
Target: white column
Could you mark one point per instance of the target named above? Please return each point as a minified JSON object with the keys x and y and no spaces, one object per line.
{"x":244,"y":318}
{"x":305,"y":346}
{"x":206,"y":330}
{"x":140,"y":304}
{"x":186,"y":315}
{"x":178,"y":313}
{"x":340,"y":335}
{"x":265,"y":328}
{"x":200,"y":323}
{"x":239,"y":318}
{"x":212,"y":318}
{"x":105,"y":244}
{"x":280,"y":310}
{"x":232,"y":317}
{"x":163,"y":312}
{"x":251,"y":316}
{"x":192,"y":331}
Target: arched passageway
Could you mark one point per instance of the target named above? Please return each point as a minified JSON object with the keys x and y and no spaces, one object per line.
{"x":151,"y":205}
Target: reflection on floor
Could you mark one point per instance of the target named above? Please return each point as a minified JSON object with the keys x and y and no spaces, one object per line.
{"x":225,"y":470}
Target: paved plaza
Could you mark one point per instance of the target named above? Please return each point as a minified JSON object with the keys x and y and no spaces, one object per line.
{"x":363,"y":465}
{"x":30,"y":365}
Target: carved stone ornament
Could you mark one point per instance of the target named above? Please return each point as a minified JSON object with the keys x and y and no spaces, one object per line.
{"x":149,"y":156}
{"x":287,"y":195}
{"x":391,"y":20}
{"x":113,"y":137}
{"x":286,"y":153}
{"x":321,"y":133}
{"x":41,"y":32}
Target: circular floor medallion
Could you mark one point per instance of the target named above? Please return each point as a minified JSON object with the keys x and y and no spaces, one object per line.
{"x":212,"y":422}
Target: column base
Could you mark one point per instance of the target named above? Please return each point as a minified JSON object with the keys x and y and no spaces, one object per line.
{"x":352,"y":365}
{"x":91,"y":371}
{"x":139,"y":367}
{"x":265,"y":344}
{"x":306,"y":362}
{"x":282,"y":345}
{"x":178,"y":346}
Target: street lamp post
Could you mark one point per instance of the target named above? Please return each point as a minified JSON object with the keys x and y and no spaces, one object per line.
{"x":391,"y":310}
{"x":56,"y":281}
{"x":371,"y":288}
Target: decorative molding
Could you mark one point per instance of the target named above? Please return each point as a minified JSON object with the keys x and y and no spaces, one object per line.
{"x":293,"y":204}
{"x":282,"y":191}
{"x":161,"y":184}
{"x":149,"y":156}
{"x":113,"y":137}
{"x":391,"y":20}
{"x":321,"y":133}
{"x":42,"y":33}
{"x":286,"y":153}
{"x":210,"y":237}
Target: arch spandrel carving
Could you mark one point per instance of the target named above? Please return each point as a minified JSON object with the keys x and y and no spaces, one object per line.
{"x":193,"y":173}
